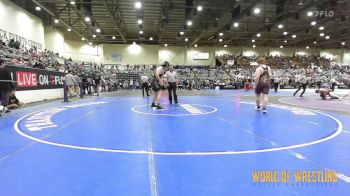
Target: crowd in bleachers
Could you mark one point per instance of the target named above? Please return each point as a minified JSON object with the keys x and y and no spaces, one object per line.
{"x":238,"y":73}
{"x":286,"y":69}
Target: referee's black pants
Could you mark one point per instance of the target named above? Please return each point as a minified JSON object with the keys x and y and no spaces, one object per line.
{"x":172,"y":89}
{"x":301,"y":86}
{"x":145,"y":88}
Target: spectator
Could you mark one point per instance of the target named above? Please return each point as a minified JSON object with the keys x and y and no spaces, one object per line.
{"x":77,"y":83}
{"x":70,"y":81}
{"x":6,"y":85}
{"x":13,"y":101}
{"x":15,"y":61}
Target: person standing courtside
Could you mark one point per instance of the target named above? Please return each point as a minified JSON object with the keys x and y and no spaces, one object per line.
{"x":69,"y":78}
{"x":276,"y":83}
{"x":158,"y":85}
{"x":97,"y":80}
{"x":263,"y":83}
{"x":172,"y":78}
{"x":144,"y":85}
{"x":6,"y":85}
{"x":302,"y":84}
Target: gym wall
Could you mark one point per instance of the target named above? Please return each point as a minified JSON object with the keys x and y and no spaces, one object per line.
{"x":22,"y":23}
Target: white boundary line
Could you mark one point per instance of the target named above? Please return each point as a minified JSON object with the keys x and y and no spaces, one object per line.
{"x":282,"y":100}
{"x":190,"y":114}
{"x":335,"y":134}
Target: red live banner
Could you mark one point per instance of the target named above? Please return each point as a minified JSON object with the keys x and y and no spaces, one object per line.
{"x":26,"y":79}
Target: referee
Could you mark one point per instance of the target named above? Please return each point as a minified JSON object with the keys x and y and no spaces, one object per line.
{"x":172,"y":79}
{"x":144,"y":84}
{"x":302,"y":84}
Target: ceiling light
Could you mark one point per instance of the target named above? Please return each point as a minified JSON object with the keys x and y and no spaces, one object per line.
{"x":281,"y":46}
{"x":83,"y":38}
{"x":309,"y":14}
{"x":195,"y":45}
{"x":98,"y":30}
{"x":165,"y":45}
{"x":327,"y":37}
{"x":113,"y":37}
{"x":313,"y":23}
{"x":254,"y":46}
{"x":141,"y":32}
{"x":225,"y":46}
{"x":321,"y":34}
{"x":189,"y":23}
{"x":280,"y":26}
{"x":138,"y":5}
{"x":181,"y":33}
{"x":258,"y":35}
{"x":69,"y":29}
{"x":235,"y":24}
{"x":220,"y":40}
{"x":93,"y":36}
{"x":186,"y":39}
{"x":343,"y":43}
{"x":253,"y":40}
{"x":307,"y":47}
{"x":133,"y":43}
{"x":38,"y":8}
{"x":315,"y":42}
{"x":221,"y":34}
{"x":294,"y":36}
{"x":199,"y":8}
{"x":87,"y":19}
{"x":285,"y":33}
{"x":256,"y":10}
{"x":72,"y":2}
{"x":151,"y":38}
{"x":285,"y":41}
{"x":56,"y":21}
{"x":321,"y":28}
{"x":139,"y":21}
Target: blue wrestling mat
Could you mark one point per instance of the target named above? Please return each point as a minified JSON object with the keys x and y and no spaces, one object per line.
{"x":202,"y":146}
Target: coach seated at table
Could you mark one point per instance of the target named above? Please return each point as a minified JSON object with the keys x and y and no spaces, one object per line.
{"x":13,"y":101}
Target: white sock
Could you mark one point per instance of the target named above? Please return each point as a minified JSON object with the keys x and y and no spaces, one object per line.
{"x":1,"y":107}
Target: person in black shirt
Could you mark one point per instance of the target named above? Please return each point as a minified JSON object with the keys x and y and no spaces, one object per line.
{"x":6,"y":86}
{"x":13,"y":101}
{"x":97,"y":80}
{"x":85,"y":84}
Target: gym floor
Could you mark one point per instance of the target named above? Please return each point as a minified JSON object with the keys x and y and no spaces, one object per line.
{"x":209,"y":144}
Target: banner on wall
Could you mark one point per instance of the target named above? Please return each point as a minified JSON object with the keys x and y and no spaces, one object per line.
{"x":35,"y":79}
{"x":116,"y":58}
{"x":201,"y":56}
{"x":24,"y":41}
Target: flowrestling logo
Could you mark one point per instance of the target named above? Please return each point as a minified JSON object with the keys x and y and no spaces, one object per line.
{"x":43,"y":119}
{"x":327,"y":14}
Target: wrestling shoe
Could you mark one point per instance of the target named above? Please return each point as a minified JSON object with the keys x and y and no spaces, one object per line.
{"x":159,"y":107}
